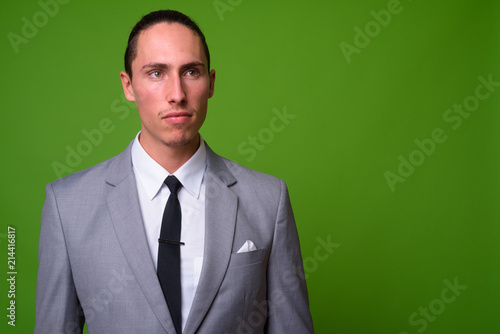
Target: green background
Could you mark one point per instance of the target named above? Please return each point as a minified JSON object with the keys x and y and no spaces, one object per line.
{"x":356,"y":118}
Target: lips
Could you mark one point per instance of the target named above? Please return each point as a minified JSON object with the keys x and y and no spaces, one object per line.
{"x":177,"y":117}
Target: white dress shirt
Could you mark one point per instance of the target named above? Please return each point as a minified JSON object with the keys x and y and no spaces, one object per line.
{"x":153,"y":196}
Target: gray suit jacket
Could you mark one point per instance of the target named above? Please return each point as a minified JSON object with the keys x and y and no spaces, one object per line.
{"x":95,"y":266}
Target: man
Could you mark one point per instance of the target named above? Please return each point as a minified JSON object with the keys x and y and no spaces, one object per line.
{"x":107,"y":253}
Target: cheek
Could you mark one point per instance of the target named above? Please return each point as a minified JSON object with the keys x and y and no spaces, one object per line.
{"x":147,"y":93}
{"x":201,"y":97}
{"x":147,"y":106}
{"x":148,"y":103}
{"x":199,"y":91}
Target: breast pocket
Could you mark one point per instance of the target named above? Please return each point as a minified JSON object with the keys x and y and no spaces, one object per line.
{"x":247,"y":258}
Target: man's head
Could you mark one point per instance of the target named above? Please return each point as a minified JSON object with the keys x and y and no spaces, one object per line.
{"x":168,"y":16}
{"x":171,"y":82}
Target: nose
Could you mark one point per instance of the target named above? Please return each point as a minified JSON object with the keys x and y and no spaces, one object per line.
{"x":175,"y":90}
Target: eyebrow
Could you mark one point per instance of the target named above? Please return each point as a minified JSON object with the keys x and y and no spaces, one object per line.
{"x":193,"y":64}
{"x":155,"y":65}
{"x":165,"y":66}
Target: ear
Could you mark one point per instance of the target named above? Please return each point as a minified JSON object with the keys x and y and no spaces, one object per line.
{"x":127,"y":86}
{"x":212,"y":83}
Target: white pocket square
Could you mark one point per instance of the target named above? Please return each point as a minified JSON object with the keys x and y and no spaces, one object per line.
{"x":248,"y":246}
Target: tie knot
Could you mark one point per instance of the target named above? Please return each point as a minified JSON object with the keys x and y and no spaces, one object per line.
{"x":173,"y":184}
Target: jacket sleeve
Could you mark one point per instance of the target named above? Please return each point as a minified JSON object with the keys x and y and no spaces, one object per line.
{"x":57,"y":306}
{"x":288,"y":304}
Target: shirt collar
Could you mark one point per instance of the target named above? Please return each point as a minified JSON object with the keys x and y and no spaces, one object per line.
{"x":152,"y":175}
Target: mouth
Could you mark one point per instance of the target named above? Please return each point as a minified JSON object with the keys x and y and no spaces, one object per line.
{"x":177,"y":117}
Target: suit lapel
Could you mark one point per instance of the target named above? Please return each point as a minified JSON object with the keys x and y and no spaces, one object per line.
{"x":220,"y":220}
{"x":125,"y":212}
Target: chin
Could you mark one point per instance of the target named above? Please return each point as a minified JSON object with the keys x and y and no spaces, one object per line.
{"x":178,"y":141}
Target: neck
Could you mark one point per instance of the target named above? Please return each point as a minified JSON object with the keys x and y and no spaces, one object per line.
{"x":170,"y":157}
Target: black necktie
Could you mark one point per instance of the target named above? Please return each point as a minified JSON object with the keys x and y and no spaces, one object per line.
{"x":169,"y":259}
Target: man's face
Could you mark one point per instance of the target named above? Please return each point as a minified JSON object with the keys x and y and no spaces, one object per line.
{"x":170,"y":85}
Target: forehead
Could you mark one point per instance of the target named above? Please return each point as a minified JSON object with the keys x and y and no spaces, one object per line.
{"x":169,"y":41}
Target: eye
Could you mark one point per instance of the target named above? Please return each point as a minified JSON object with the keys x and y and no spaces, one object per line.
{"x":155,"y":74}
{"x":192,"y":72}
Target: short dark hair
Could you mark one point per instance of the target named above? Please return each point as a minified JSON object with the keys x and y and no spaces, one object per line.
{"x":159,"y":16}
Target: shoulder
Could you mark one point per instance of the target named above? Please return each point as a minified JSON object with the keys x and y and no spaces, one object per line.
{"x":94,"y":176}
{"x":248,"y":184}
{"x":229,"y":171}
{"x":244,"y":174}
